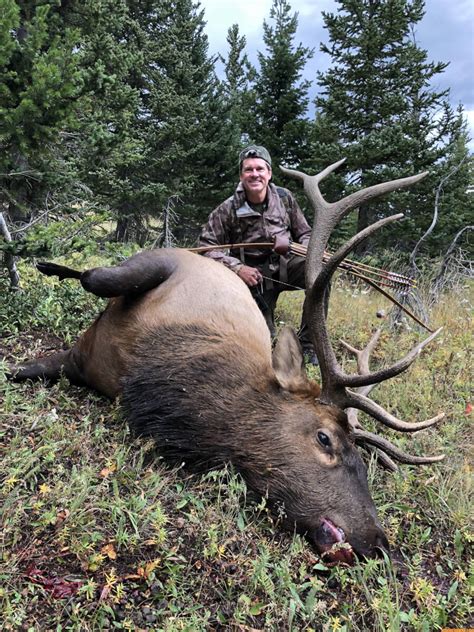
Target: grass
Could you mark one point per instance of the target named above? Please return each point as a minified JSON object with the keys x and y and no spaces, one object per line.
{"x":99,"y":534}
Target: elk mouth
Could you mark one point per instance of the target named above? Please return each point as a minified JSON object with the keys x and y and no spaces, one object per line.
{"x":331,"y":543}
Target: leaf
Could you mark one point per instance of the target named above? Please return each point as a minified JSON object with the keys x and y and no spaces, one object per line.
{"x":106,"y":471}
{"x":452,"y":591}
{"x":468,"y":409}
{"x":256,"y":608}
{"x":109,"y":550}
{"x":104,"y":593}
{"x":145,"y":570}
{"x":58,"y":587}
{"x":241,"y":522}
{"x":95,"y":561}
{"x":10,"y":482}
{"x":458,"y":542}
{"x":61,"y":516}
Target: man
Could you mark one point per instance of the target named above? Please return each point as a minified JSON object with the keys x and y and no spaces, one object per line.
{"x":261,"y":212}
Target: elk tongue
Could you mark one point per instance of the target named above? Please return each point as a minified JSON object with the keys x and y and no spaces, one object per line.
{"x":328,"y":534}
{"x":328,"y":539}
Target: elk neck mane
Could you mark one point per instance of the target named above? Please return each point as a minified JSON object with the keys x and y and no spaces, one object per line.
{"x":197,"y":393}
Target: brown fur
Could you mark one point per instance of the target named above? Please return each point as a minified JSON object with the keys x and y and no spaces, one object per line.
{"x":191,"y":359}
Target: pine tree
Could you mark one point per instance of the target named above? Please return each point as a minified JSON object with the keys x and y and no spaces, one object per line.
{"x":38,"y":96}
{"x":455,"y":204}
{"x":378,"y":109}
{"x":153,"y":118}
{"x":239,"y":76}
{"x":187,"y":125}
{"x":277,"y":118}
{"x":111,"y":143}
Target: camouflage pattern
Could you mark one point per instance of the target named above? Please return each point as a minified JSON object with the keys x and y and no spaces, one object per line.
{"x":234,"y":221}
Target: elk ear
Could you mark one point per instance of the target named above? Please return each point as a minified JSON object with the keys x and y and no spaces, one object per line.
{"x":288,"y":362}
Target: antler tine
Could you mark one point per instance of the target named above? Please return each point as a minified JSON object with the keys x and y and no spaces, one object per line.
{"x":333,"y":378}
{"x":363,"y":379}
{"x":336,"y":259}
{"x":363,"y":355}
{"x":386,"y":461}
{"x":359,"y":400}
{"x":384,"y":447}
{"x":305,"y":178}
{"x":359,"y":397}
{"x":325,"y":219}
{"x":363,"y":436}
{"x":356,"y":428}
{"x":366,"y":405}
{"x":328,"y":215}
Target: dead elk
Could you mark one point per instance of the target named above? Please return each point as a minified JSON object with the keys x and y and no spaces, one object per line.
{"x":184,"y":345}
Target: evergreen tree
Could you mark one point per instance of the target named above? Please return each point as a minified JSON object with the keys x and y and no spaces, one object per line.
{"x":239,"y":76}
{"x":154,"y":123}
{"x":455,"y":204}
{"x":378,"y":109}
{"x":38,"y":95}
{"x":111,"y":145}
{"x":187,"y":125}
{"x":277,"y":117}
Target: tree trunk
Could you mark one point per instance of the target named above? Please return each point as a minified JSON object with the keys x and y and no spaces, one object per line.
{"x":9,"y":259}
{"x":122,"y":228}
{"x":19,"y":189}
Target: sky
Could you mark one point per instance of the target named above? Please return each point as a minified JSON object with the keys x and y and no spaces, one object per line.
{"x":446,"y":32}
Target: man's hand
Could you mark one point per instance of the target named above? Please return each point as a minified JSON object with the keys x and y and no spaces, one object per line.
{"x":251,"y":276}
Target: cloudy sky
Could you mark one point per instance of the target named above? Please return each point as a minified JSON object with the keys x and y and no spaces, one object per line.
{"x":446,"y":32}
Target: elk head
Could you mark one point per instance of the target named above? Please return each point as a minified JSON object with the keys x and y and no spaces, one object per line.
{"x":340,"y":391}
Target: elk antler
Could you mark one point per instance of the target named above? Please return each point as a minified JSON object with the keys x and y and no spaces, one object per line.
{"x":319,"y":270}
{"x":386,"y":449}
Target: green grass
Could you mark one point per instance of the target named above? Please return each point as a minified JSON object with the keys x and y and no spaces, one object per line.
{"x":99,"y":534}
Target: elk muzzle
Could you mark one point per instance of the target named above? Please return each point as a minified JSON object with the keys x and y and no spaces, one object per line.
{"x":335,"y":546}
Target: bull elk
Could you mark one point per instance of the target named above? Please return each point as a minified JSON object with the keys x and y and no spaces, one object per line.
{"x":186,"y":348}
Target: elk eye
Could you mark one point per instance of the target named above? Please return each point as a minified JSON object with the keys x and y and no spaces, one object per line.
{"x":324,"y":440}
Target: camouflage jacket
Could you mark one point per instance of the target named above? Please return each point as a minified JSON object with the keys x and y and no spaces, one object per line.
{"x":234,"y":221}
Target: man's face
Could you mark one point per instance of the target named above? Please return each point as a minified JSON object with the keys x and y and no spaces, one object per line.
{"x":255,"y":176}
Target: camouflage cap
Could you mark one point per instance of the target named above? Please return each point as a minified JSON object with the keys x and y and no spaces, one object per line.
{"x":255,"y":151}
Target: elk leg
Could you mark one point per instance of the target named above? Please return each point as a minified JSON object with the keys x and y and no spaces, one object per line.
{"x":48,"y":368}
{"x":54,"y":269}
{"x":136,"y":275}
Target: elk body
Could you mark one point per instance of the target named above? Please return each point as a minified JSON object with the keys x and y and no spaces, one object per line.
{"x":186,"y":348}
